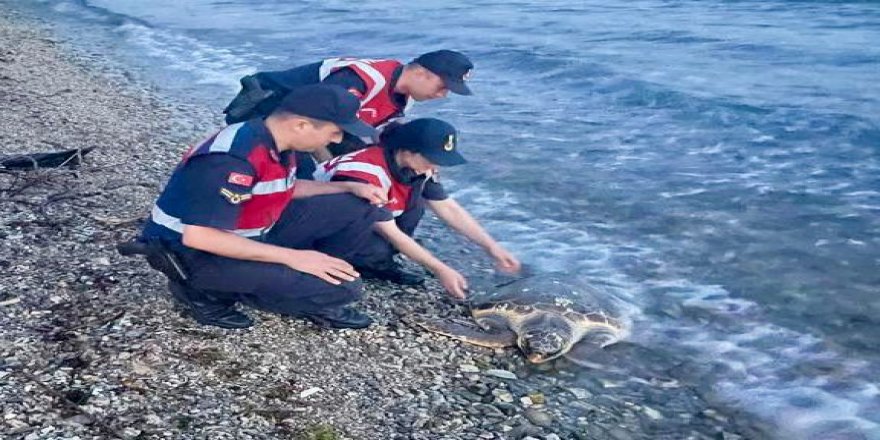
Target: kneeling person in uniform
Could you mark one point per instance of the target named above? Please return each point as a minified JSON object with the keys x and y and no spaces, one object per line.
{"x":228,"y":215}
{"x":403,"y":165}
{"x":386,"y":88}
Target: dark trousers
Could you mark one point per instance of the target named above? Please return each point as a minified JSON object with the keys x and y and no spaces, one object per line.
{"x":378,"y":253}
{"x":339,"y":225}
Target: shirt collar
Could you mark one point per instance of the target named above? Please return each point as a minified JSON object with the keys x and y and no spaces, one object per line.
{"x":262,"y":134}
{"x":398,"y":99}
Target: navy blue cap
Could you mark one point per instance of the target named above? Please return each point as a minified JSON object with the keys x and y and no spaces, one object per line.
{"x":434,"y":139}
{"x":327,"y":102}
{"x":454,"y":67}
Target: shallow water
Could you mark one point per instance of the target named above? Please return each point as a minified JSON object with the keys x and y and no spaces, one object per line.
{"x":715,"y":163}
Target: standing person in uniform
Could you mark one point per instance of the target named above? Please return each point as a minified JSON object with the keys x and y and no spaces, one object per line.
{"x":227,"y":215}
{"x":386,"y":89}
{"x":408,"y":158}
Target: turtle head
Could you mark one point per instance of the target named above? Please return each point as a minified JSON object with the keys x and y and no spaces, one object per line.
{"x":540,"y":345}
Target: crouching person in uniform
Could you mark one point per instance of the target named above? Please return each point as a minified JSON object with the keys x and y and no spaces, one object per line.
{"x":402,"y":166}
{"x":244,"y":230}
{"x":386,"y":88}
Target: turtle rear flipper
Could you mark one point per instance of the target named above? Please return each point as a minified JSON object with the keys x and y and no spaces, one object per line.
{"x":470,"y":333}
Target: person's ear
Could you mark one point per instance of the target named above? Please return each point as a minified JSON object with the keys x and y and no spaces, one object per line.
{"x":422,"y":73}
{"x":300,"y":125}
{"x":405,"y":157}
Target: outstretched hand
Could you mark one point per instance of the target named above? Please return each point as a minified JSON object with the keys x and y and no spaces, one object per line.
{"x":505,"y":261}
{"x":330,"y":269}
{"x":454,"y":283}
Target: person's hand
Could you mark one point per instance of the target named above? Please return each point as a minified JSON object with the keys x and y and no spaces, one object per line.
{"x":323,"y":266}
{"x":505,"y":261}
{"x":374,"y":195}
{"x":454,"y":283}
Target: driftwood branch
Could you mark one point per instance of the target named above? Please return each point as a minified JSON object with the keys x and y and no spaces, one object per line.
{"x":39,"y":162}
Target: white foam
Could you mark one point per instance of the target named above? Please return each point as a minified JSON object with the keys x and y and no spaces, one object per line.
{"x":209,"y":64}
{"x":691,"y":192}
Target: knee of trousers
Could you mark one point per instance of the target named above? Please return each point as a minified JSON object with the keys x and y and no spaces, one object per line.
{"x":326,"y":295}
{"x":310,"y":294}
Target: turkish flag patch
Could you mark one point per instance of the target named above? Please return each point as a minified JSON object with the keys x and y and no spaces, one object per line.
{"x":240,"y":179}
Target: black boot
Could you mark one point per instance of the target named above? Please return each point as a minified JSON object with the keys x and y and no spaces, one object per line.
{"x":342,"y":317}
{"x":391,"y":272}
{"x":246,"y":102}
{"x":208,"y":310}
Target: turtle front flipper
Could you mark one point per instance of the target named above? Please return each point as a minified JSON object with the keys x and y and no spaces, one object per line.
{"x":465,"y":331}
{"x":631,"y":360}
{"x":588,"y":352}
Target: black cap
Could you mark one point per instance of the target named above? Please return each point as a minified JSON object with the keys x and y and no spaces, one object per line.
{"x":452,"y":66}
{"x":434,"y":139}
{"x":327,"y":102}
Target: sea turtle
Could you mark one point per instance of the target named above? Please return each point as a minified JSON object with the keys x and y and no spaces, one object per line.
{"x":545,"y":316}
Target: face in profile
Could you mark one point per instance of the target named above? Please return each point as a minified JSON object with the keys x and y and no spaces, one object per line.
{"x":427,"y":86}
{"x":418,"y":163}
{"x":312,"y":135}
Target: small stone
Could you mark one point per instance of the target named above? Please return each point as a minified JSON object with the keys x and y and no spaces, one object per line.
{"x":502,"y":374}
{"x":537,"y":398}
{"x":539,"y":418}
{"x":421,"y":421}
{"x":580,"y":393}
{"x":16,"y":424}
{"x":473,"y":397}
{"x":524,"y":429}
{"x":309,"y":392}
{"x":478,"y":388}
{"x":490,"y":410}
{"x":468,"y":368}
{"x":79,"y":419}
{"x":141,"y":369}
{"x":507,"y":408}
{"x":551,"y":437}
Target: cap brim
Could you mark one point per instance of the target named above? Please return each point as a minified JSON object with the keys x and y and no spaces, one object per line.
{"x":458,"y":87}
{"x":359,"y":129}
{"x":446,"y":159}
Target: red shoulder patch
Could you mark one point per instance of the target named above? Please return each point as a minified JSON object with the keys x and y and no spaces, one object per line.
{"x":240,"y":179}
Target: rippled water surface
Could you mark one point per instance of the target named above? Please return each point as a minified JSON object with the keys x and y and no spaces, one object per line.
{"x":716,"y":163}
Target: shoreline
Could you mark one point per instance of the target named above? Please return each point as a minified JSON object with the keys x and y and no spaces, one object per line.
{"x":92,"y":346}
